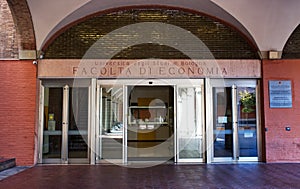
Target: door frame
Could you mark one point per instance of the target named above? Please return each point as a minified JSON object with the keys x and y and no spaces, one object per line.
{"x":210,"y":83}
{"x":65,"y":85}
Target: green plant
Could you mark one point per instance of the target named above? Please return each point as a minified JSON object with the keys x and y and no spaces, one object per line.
{"x":248,"y":101}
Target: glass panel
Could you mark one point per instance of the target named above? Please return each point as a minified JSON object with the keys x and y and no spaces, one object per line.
{"x":150,"y":123}
{"x":222,"y":126}
{"x":247,"y":132}
{"x":78,"y":123}
{"x":111,"y":122}
{"x":189,"y":128}
{"x":52,"y":137}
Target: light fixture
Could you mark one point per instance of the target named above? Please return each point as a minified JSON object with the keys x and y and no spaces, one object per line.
{"x":274,"y":55}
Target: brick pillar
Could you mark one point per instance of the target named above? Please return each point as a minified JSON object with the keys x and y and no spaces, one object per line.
{"x":282,"y":145}
{"x":18,"y":111}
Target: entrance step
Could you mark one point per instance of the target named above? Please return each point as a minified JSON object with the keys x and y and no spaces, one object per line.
{"x":6,"y":163}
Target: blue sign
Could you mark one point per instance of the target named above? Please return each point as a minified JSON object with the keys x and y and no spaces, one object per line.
{"x":280,"y":92}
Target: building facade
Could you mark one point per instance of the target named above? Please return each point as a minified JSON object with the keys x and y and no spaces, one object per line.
{"x":109,"y":82}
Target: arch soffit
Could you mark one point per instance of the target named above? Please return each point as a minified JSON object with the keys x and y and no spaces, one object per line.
{"x":23,"y":21}
{"x":86,"y":12}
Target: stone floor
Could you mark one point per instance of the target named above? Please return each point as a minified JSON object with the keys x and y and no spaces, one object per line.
{"x":12,"y":171}
{"x":162,"y":176}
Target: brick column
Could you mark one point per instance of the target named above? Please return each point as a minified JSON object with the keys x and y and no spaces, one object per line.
{"x":18,"y":111}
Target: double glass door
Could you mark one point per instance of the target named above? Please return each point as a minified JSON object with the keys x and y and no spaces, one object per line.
{"x":64,"y":119}
{"x":150,"y":121}
{"x":234,"y":126}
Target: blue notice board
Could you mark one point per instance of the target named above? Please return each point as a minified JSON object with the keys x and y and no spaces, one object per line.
{"x":280,"y":92}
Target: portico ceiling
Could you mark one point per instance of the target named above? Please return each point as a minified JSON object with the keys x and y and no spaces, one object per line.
{"x":268,"y":24}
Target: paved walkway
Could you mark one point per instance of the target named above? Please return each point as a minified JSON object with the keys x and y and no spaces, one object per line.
{"x":12,"y":171}
{"x":162,"y":176}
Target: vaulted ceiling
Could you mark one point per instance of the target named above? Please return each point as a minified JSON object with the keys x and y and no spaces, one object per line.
{"x":268,"y":24}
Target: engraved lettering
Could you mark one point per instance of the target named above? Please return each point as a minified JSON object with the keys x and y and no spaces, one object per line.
{"x":162,"y":71}
{"x":93,"y":70}
{"x":181,"y":71}
{"x":172,"y":71}
{"x":210,"y":71}
{"x":128,"y":71}
{"x":112,"y":71}
{"x":200,"y":71}
{"x":75,"y":69}
{"x":103,"y":71}
{"x":224,"y":71}
{"x":142,"y":70}
{"x":191,"y":71}
{"x":83,"y":71}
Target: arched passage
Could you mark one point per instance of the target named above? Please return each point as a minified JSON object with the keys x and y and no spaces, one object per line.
{"x":65,"y":50}
{"x":222,"y":40}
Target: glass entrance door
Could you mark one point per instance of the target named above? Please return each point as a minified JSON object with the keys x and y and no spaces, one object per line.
{"x":65,"y":130}
{"x":190,"y":123}
{"x":234,"y":133}
{"x":110,"y":124}
{"x":150,"y":125}
{"x":150,"y":120}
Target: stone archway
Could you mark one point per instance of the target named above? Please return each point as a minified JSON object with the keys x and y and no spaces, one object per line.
{"x":24,"y":26}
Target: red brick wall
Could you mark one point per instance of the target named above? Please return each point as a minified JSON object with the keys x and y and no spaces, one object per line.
{"x":282,"y":145}
{"x":18,"y":110}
